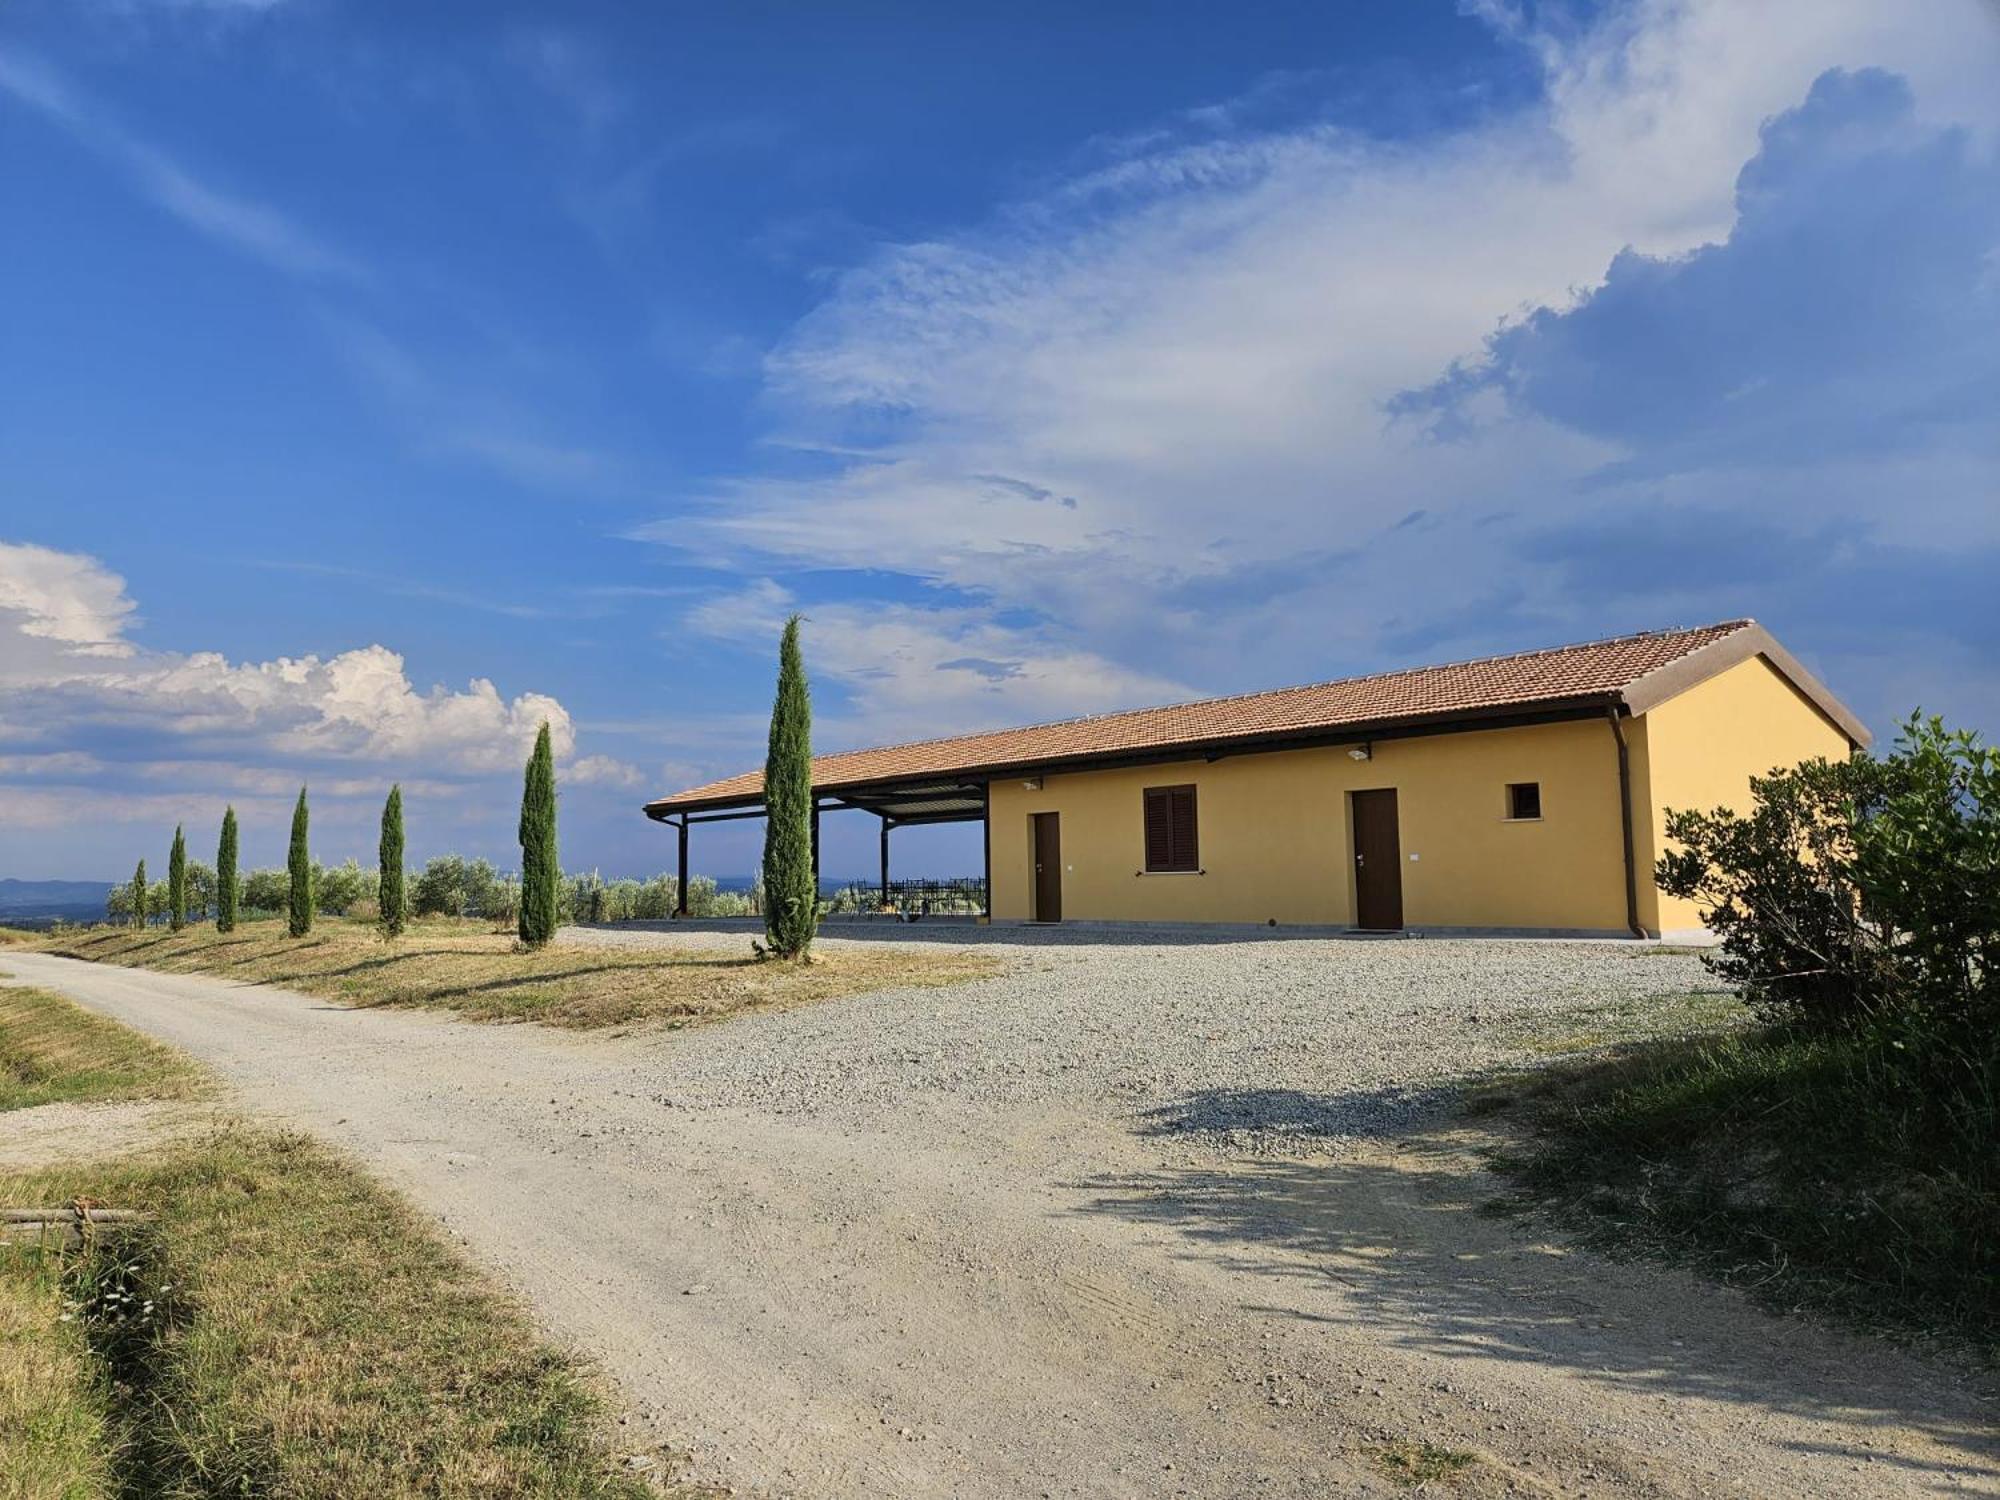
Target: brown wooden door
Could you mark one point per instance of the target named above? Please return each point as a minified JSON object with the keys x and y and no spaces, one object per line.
{"x":1048,"y":868}
{"x":1378,"y":862}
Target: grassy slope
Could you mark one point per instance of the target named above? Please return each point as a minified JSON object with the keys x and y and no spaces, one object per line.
{"x":51,"y":1050}
{"x":310,"y":1335}
{"x":1815,"y":1171}
{"x":468,"y":968}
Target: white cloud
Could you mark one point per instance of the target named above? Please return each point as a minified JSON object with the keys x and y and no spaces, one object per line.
{"x":909,"y":672}
{"x":67,"y":673}
{"x":1195,"y":345}
{"x":65,"y":598}
{"x":605,"y":770}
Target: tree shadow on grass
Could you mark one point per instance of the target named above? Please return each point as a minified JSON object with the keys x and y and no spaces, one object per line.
{"x":1398,"y":1240}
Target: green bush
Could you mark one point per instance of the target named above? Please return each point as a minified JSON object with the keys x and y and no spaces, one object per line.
{"x":1848,"y":1151}
{"x":1856,"y":890}
{"x":265,"y":890}
{"x":343,"y":888}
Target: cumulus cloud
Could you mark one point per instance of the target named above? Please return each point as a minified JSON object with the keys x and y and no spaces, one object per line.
{"x":605,"y":770}
{"x":86,"y":712}
{"x":1196,"y":348}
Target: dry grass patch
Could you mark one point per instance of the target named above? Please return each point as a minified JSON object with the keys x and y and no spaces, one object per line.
{"x":283,"y":1326}
{"x":54,"y":1052}
{"x":55,"y":1440}
{"x":307,"y":1335}
{"x":468,"y":968}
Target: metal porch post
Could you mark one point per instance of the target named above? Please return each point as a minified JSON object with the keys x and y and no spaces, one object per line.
{"x":986,"y":827}
{"x":681,"y":896}
{"x":886,"y":826}
{"x":815,"y":844}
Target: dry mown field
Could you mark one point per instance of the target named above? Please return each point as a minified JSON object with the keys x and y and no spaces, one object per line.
{"x":465,"y":966}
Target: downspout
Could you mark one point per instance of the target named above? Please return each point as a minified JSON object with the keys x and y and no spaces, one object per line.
{"x":1625,"y":823}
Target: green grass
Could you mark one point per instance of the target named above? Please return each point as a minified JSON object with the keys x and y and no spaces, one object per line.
{"x":52,"y":1051}
{"x":1590,"y":1028}
{"x":1422,"y":1463}
{"x":1856,"y":1174}
{"x":284,"y":1326}
{"x":55,"y":1421}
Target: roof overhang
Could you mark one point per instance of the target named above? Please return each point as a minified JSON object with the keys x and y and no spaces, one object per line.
{"x":1656,"y":687}
{"x":959,"y":794}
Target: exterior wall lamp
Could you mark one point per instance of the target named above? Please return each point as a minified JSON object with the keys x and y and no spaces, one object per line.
{"x":1362,"y":752}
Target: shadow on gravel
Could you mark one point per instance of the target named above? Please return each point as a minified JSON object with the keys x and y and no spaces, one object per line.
{"x":1397,"y":1246}
{"x":1309,"y":1122}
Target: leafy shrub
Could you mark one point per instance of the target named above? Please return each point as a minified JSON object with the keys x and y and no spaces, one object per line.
{"x":452,"y":886}
{"x":1778,"y":887}
{"x":1857,"y":889}
{"x":343,"y":887}
{"x":266,"y":890}
{"x":1927,"y":861}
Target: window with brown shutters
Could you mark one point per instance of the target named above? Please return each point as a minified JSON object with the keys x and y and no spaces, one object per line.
{"x":1170,"y":830}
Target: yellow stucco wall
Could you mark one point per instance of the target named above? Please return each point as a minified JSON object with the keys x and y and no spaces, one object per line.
{"x":1275,"y":840}
{"x":1700,"y":748}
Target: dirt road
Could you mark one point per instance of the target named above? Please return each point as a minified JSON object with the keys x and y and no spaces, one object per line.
{"x":987,"y":1297}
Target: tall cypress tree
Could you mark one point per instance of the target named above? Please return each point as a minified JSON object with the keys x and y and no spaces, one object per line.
{"x":540,"y":872}
{"x":791,"y":888}
{"x":139,"y":895}
{"x":299,"y":909}
{"x":177,"y":882}
{"x":225,"y":874}
{"x":389,"y":887}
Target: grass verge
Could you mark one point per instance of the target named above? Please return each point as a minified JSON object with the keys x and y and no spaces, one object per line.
{"x":466,"y":967}
{"x":52,"y":1051}
{"x":284,"y":1326}
{"x":1835,"y":1173}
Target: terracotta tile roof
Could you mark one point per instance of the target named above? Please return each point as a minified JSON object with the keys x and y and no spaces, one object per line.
{"x":1593,"y":670}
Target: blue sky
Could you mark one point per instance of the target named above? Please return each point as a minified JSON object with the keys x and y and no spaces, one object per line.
{"x":377,"y":380}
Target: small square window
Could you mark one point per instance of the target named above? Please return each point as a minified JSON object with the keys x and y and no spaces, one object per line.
{"x":1524,"y":800}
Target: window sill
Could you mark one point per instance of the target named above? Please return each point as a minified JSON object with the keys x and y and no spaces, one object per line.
{"x":1521,"y":820}
{"x":1157,"y":874}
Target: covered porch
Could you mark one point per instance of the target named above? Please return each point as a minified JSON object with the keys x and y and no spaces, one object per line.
{"x":918,"y":801}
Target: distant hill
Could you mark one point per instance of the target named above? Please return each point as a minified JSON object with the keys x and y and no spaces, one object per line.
{"x":37,"y":902}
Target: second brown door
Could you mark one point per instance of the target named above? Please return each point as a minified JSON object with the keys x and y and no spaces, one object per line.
{"x":1048,"y":868}
{"x":1378,"y":862}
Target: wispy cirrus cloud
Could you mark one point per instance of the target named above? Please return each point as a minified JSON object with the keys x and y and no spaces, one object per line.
{"x":1202,"y":345}
{"x":242,"y":224}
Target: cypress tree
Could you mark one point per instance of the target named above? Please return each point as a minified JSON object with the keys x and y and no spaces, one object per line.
{"x":139,"y":895}
{"x":389,"y":888}
{"x":540,"y":872}
{"x":299,"y":909}
{"x":177,"y":882}
{"x":225,"y":874}
{"x":791,"y":888}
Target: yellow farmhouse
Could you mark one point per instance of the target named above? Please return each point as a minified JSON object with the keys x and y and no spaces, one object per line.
{"x":1523,"y":793}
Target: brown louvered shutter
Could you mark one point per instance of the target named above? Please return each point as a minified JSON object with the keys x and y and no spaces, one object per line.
{"x":1185,"y":857}
{"x":1170,"y":829}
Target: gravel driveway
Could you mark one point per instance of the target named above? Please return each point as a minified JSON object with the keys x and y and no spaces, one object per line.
{"x":1260,"y":1045}
{"x":1142,"y":1216}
